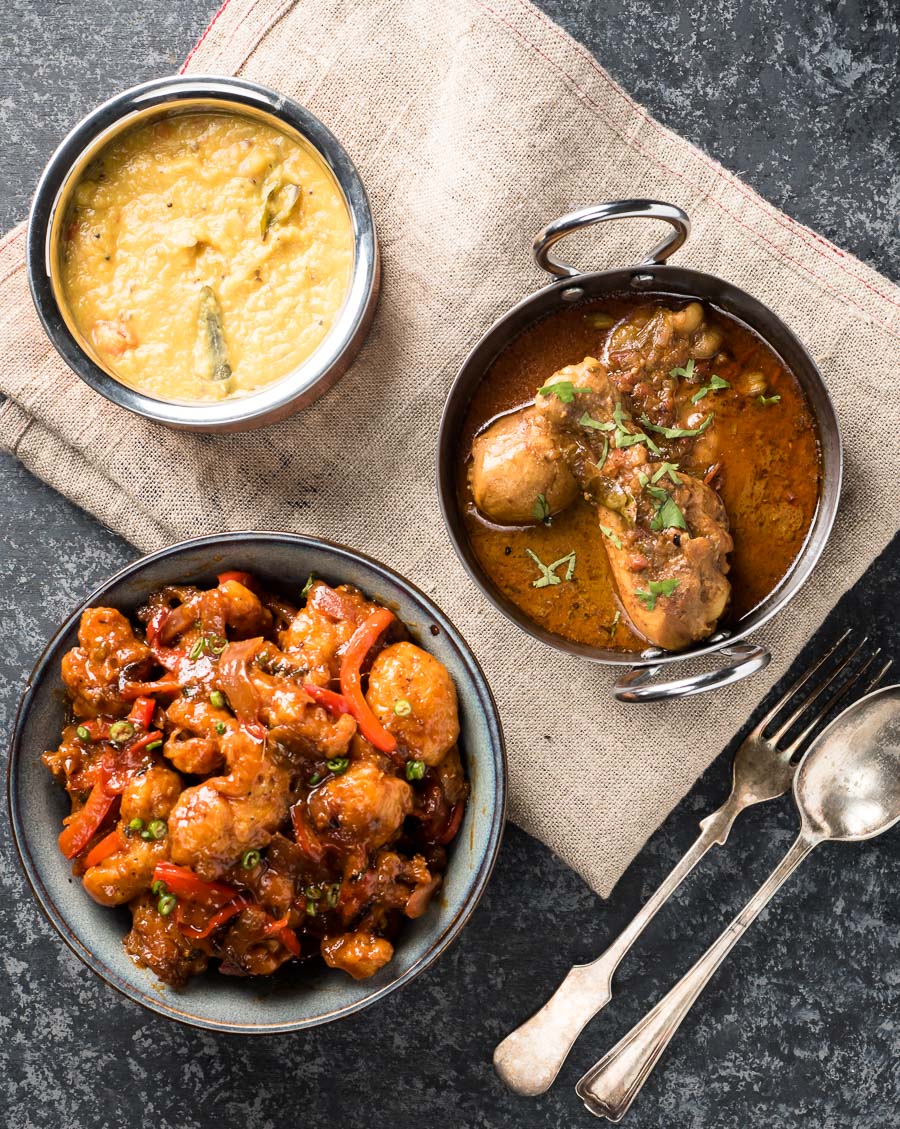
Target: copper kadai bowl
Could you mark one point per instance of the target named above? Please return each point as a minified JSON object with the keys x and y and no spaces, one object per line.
{"x":653,"y":673}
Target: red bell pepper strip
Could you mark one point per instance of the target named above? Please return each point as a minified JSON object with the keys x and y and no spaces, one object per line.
{"x":97,"y":728}
{"x":169,"y":657}
{"x":226,"y":913}
{"x":307,"y":840}
{"x":109,"y":845}
{"x":335,"y":703}
{"x":131,"y":690}
{"x":82,"y":825}
{"x":117,"y":767}
{"x":241,"y":577}
{"x":361,"y":642}
{"x":290,"y":940}
{"x":453,"y":823}
{"x":284,"y":933}
{"x":142,"y":712}
{"x":184,"y":883}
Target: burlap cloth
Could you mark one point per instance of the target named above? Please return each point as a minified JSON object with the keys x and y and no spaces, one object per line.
{"x":473,"y":124}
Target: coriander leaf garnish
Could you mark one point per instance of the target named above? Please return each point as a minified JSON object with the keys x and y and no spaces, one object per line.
{"x":668,"y":513}
{"x":589,"y":421}
{"x":643,"y":478}
{"x":548,"y":575}
{"x":563,"y":390}
{"x":765,"y":400}
{"x":540,"y":510}
{"x":669,"y":469}
{"x":687,"y":372}
{"x":612,"y":627}
{"x":715,"y":383}
{"x":678,"y":432}
{"x":625,"y":438}
{"x":607,"y":532}
{"x":656,"y":588}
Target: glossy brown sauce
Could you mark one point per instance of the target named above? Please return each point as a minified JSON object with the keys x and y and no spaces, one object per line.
{"x":768,"y":477}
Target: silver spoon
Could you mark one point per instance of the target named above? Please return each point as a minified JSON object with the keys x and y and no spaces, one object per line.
{"x":847,"y":788}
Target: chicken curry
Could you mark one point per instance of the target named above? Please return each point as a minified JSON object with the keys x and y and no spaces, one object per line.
{"x":638,"y":472}
{"x":205,"y":256}
{"x":258,"y":782}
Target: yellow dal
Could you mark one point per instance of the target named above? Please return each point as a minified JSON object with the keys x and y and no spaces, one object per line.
{"x":173,"y":208}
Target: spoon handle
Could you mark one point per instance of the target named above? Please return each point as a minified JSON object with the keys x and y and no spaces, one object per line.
{"x":529,"y":1058}
{"x":610,"y":1086}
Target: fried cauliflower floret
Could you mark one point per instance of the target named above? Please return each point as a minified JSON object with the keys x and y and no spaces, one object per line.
{"x":156,"y":942}
{"x":403,"y":673}
{"x":365,"y":801}
{"x":148,"y":796}
{"x":107,"y":645}
{"x":360,"y":955}
{"x":213,"y":823}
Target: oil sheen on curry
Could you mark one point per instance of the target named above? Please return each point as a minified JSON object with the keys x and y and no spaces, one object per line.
{"x":205,"y":256}
{"x":638,"y":473}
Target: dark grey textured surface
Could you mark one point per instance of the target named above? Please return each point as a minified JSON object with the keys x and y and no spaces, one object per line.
{"x":799,"y":1028}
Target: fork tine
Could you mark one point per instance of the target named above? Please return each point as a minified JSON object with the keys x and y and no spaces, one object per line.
{"x":795,"y":715}
{"x":798,"y":685}
{"x":836,"y":697}
{"x":878,"y":677}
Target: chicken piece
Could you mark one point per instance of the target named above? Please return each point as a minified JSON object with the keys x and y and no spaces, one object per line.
{"x":156,"y":942}
{"x":319,"y":630}
{"x":213,"y":823}
{"x":360,"y":955}
{"x":249,"y":949}
{"x":586,"y":417}
{"x":91,"y":671}
{"x":404,"y":673}
{"x":518,"y":473}
{"x":365,"y":802}
{"x":584,"y":390}
{"x":672,"y":581}
{"x":120,"y":877}
{"x":643,"y":552}
{"x":194,"y":744}
{"x":642,"y":350}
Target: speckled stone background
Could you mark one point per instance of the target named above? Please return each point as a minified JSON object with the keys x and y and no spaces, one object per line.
{"x":799,"y":1029}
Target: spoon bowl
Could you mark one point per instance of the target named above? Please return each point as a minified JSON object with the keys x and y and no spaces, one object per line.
{"x":847,"y":787}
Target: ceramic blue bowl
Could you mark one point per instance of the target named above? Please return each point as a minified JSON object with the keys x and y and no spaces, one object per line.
{"x":297,"y":997}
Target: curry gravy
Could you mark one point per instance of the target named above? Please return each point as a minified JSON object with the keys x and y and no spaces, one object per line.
{"x":765,"y":467}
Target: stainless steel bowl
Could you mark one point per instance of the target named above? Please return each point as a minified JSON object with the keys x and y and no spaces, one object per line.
{"x":163,"y":98}
{"x":652,"y":276}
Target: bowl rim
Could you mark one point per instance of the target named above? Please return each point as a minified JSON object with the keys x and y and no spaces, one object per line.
{"x":633,"y":279}
{"x":310,"y":378}
{"x":49,"y":657}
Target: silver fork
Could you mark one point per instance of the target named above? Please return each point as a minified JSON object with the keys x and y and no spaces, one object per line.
{"x":529,"y":1059}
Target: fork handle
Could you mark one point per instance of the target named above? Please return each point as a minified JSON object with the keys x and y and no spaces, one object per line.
{"x":529,"y":1059}
{"x":609,"y":1087}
